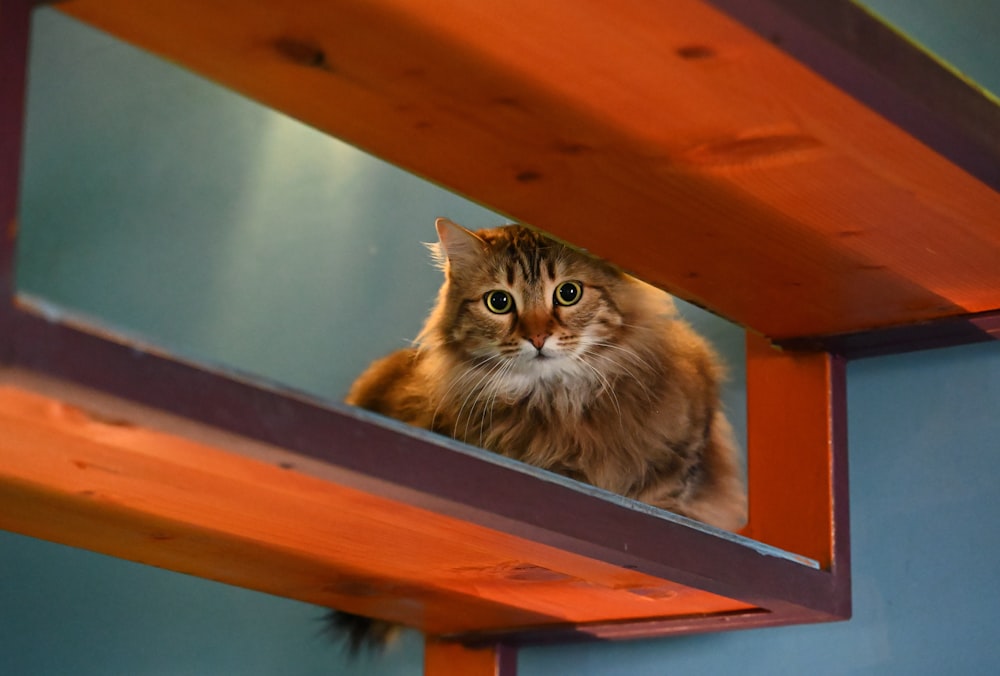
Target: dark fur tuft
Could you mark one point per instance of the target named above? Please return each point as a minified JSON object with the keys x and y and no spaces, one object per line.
{"x":358,"y":633}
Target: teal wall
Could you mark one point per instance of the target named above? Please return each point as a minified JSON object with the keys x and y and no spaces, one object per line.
{"x":191,"y":218}
{"x":961,"y":33}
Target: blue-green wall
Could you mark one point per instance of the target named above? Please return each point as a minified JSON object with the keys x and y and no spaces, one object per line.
{"x":191,"y":218}
{"x":961,"y":33}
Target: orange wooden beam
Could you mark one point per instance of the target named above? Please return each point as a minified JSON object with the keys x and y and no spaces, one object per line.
{"x":664,"y":136}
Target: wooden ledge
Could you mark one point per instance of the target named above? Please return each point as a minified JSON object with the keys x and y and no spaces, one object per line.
{"x":665,"y":136}
{"x":97,"y":481}
{"x":105,"y":477}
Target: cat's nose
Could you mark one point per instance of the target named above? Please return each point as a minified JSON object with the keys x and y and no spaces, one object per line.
{"x":535,"y":326}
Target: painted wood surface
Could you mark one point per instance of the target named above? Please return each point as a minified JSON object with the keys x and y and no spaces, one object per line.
{"x":104,"y":484}
{"x":14,"y":32}
{"x":795,"y":426}
{"x":889,"y":71}
{"x":159,"y":499}
{"x":664,"y":136}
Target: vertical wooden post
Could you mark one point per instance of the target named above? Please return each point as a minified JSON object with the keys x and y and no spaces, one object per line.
{"x":445,"y":658}
{"x":14,"y":29}
{"x":796,"y":457}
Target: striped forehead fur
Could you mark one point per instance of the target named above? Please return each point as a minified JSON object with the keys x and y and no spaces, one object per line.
{"x":513,"y":249}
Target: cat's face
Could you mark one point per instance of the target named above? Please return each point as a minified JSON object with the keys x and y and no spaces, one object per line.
{"x":527,"y":308}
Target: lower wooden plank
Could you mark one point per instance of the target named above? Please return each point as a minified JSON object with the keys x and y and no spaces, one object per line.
{"x":401,"y":465}
{"x":109,"y":484}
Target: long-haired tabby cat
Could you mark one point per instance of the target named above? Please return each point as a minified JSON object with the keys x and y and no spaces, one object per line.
{"x":543,"y":354}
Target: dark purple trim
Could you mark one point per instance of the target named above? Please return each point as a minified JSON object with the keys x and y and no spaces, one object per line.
{"x":627,"y":630}
{"x":862,"y":56}
{"x":840,"y":595}
{"x":974,"y":328}
{"x":506,"y":660}
{"x":15,"y":20}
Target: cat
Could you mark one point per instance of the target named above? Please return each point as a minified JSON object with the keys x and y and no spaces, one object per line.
{"x":543,"y":354}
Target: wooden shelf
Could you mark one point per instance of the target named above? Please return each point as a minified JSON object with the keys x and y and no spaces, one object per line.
{"x":332,"y":505}
{"x":666,"y":137}
{"x":672,"y":139}
{"x":261,"y":517}
{"x":189,"y":507}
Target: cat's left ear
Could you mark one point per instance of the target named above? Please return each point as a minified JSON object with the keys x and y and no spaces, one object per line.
{"x":457,"y":244}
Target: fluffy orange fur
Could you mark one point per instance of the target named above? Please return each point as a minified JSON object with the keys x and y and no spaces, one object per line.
{"x":543,"y":354}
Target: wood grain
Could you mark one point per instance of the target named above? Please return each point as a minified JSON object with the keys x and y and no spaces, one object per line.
{"x":664,"y":136}
{"x":110,"y":486}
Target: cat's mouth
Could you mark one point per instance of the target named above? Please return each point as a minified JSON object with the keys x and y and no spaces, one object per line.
{"x":542,"y":360}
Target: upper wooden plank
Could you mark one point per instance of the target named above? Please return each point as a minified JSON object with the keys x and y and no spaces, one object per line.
{"x":664,"y":136}
{"x":885,"y":68}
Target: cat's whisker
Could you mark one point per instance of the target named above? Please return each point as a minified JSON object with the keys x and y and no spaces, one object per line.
{"x":631,"y":354}
{"x":607,"y":388}
{"x":637,"y":327}
{"x":617,"y":364}
{"x":467,"y":374}
{"x":606,"y":384}
{"x":475,"y":392}
{"x":496,"y":383}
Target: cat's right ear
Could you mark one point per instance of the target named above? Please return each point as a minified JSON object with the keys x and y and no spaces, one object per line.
{"x":458,"y":245}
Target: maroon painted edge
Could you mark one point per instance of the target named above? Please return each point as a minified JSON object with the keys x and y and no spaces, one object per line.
{"x":962,"y":330}
{"x":506,"y":659}
{"x":628,"y":630}
{"x":868,"y":60}
{"x":840,"y":594}
{"x":15,"y":22}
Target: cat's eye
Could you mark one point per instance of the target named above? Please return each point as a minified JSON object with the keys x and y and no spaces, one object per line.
{"x":568,"y":293}
{"x":498,"y":302}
